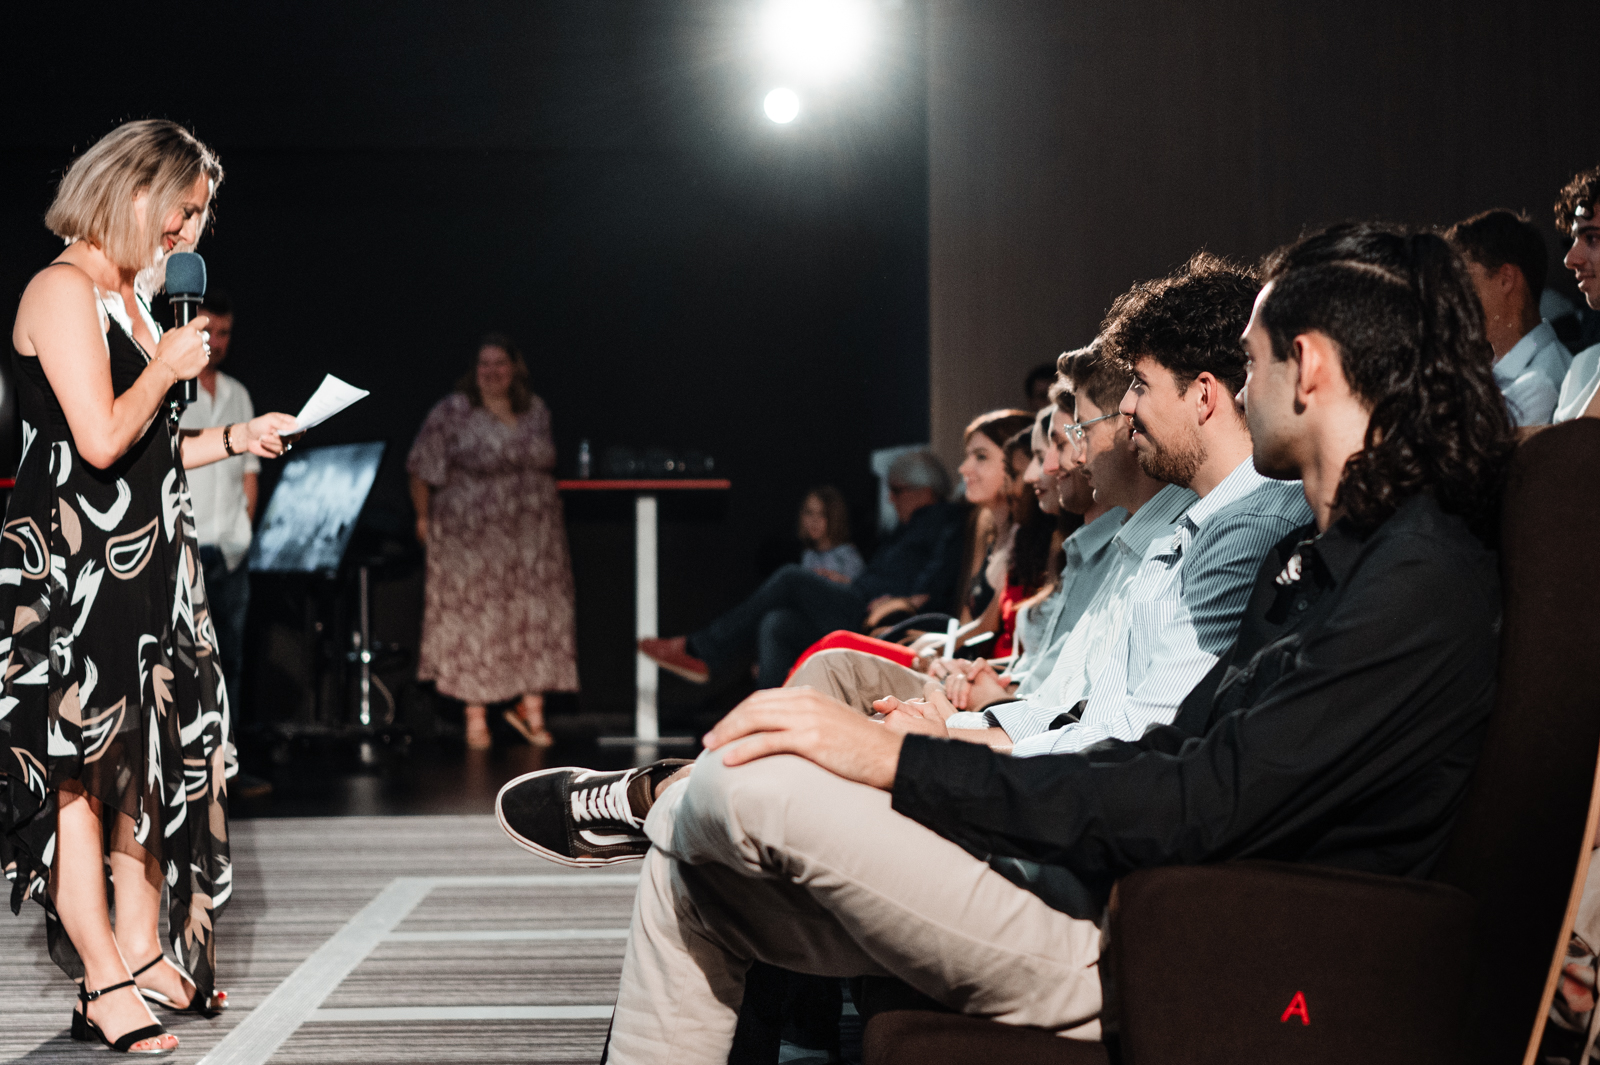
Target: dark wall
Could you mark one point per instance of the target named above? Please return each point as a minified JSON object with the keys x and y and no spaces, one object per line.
{"x":1076,"y":147}
{"x":596,"y":178}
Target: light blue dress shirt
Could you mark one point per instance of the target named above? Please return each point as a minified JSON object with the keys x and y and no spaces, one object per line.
{"x":1183,"y":607}
{"x":1531,"y":373}
{"x":1044,"y":628}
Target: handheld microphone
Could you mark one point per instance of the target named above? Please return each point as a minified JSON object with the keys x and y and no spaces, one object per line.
{"x":186,"y":287}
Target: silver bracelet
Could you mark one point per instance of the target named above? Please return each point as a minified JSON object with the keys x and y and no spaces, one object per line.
{"x":227,"y":439}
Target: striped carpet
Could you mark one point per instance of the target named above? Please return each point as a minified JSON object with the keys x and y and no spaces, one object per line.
{"x":411,"y":939}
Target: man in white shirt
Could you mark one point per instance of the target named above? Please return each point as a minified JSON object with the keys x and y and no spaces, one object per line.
{"x":224,"y":497}
{"x":1508,"y":262}
{"x":1575,"y":214}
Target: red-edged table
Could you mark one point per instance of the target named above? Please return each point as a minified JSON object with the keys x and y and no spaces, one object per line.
{"x":647,"y":675}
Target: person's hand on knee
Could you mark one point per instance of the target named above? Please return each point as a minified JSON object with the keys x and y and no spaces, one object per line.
{"x":804,"y":722}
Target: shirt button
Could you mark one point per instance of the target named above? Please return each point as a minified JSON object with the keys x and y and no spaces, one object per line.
{"x":1301,"y":605}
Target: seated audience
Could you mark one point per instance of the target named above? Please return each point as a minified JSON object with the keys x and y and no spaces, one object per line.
{"x":1340,"y":729}
{"x":1031,"y":541}
{"x":1575,"y":214}
{"x":794,"y":607}
{"x":1088,"y":554}
{"x":1043,"y":479}
{"x":825,"y":532}
{"x":1507,"y":260}
{"x":988,"y":481}
{"x":1150,"y":638}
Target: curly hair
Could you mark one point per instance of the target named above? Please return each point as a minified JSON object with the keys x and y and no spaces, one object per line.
{"x":1580,"y":193}
{"x":1401,"y":308}
{"x":1189,"y":321}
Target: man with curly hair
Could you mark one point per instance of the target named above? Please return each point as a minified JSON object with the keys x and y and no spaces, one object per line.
{"x":1340,"y":729}
{"x":1155,"y":631}
{"x":1576,"y":208}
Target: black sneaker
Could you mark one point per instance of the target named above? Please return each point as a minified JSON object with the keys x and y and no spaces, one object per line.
{"x":583,"y":817}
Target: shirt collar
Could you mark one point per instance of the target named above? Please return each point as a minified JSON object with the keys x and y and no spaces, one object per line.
{"x":1154,"y":518}
{"x":1514,"y":363}
{"x":1091,"y":538}
{"x":1241,"y":482}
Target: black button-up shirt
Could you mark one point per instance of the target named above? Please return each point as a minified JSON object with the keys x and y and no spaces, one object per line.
{"x":1340,"y":730}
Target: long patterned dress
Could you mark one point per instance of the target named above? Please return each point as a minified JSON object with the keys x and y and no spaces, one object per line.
{"x":498,"y":619}
{"x":111,"y":682}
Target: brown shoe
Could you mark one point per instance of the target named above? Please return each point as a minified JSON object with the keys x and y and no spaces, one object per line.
{"x":673,"y":656}
{"x":537,"y":736}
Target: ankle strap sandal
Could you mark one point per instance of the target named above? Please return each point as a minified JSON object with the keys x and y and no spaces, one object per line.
{"x":85,"y":1030}
{"x":214,"y":1005}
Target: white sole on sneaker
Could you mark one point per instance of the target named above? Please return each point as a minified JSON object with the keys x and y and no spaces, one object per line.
{"x":545,"y":852}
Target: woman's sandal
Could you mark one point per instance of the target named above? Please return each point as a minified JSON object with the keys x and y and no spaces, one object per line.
{"x":84,"y":1030}
{"x":217,"y":1003}
{"x":536,"y":737}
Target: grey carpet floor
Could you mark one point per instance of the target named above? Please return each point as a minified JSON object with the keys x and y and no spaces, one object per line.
{"x":536,"y":957}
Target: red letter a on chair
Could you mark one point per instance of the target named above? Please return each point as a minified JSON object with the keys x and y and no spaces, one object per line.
{"x":1297,"y":1008}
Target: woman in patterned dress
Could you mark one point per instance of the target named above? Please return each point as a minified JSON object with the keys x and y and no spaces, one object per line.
{"x":115,"y":741}
{"x":498,"y":619}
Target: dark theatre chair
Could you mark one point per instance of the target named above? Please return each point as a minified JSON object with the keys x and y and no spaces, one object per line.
{"x":1271,"y":962}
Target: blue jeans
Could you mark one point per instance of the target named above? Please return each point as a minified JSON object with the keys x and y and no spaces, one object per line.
{"x":229,"y":596}
{"x":793,"y":609}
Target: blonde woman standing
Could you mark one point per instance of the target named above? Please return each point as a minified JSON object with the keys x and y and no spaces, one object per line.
{"x":114,"y":722}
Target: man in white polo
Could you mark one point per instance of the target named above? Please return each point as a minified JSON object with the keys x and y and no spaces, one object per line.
{"x":224,"y":497}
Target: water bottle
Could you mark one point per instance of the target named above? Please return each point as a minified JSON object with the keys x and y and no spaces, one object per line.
{"x":584,"y":470}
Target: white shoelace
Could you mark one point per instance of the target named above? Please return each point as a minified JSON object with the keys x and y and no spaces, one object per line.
{"x":607,"y":802}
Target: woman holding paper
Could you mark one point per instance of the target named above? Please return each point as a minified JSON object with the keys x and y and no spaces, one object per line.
{"x":118,"y":738}
{"x":498,"y":620}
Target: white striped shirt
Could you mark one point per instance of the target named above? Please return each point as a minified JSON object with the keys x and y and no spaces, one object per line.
{"x":1090,"y":559}
{"x":1069,"y":677}
{"x":1182,"y":612}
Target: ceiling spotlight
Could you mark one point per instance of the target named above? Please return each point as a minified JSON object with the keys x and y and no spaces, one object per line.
{"x":818,"y":38}
{"x":781,"y":105}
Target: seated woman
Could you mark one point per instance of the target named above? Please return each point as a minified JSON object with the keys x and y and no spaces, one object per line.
{"x":990,"y":483}
{"x":1034,"y":538}
{"x":825,"y":531}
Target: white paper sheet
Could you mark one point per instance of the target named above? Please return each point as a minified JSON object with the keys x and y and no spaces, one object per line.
{"x":331,"y":397}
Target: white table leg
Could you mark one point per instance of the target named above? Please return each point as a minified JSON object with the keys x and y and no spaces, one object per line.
{"x":646,"y":673}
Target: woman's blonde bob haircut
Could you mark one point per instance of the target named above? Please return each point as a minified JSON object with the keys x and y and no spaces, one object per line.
{"x":94,"y":201}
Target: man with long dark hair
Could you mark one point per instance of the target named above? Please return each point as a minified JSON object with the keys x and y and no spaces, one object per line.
{"x":1340,"y":729}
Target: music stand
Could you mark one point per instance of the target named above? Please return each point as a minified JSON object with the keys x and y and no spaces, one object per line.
{"x":307,"y":527}
{"x":313,"y":511}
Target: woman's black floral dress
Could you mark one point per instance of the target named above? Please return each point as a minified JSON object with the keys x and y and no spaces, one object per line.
{"x":111,"y":682}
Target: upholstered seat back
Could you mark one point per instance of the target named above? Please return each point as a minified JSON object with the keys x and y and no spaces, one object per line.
{"x":1521,"y":833}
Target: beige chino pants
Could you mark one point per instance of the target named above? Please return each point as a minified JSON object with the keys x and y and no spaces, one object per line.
{"x":781,"y":861}
{"x":856,"y":678}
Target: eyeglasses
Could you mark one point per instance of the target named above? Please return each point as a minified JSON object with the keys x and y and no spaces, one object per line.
{"x":1075,"y":432}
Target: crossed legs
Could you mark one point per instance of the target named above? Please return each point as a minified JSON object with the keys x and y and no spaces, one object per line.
{"x":783,"y":862}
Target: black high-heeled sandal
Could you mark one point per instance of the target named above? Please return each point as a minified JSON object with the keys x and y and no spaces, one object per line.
{"x":84,"y":1030}
{"x":215,"y":1005}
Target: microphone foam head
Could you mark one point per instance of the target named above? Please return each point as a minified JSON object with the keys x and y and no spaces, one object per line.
{"x":186,"y":275}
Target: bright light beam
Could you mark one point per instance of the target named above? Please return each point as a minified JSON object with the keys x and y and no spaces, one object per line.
{"x":781,"y":105}
{"x":818,"y":38}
